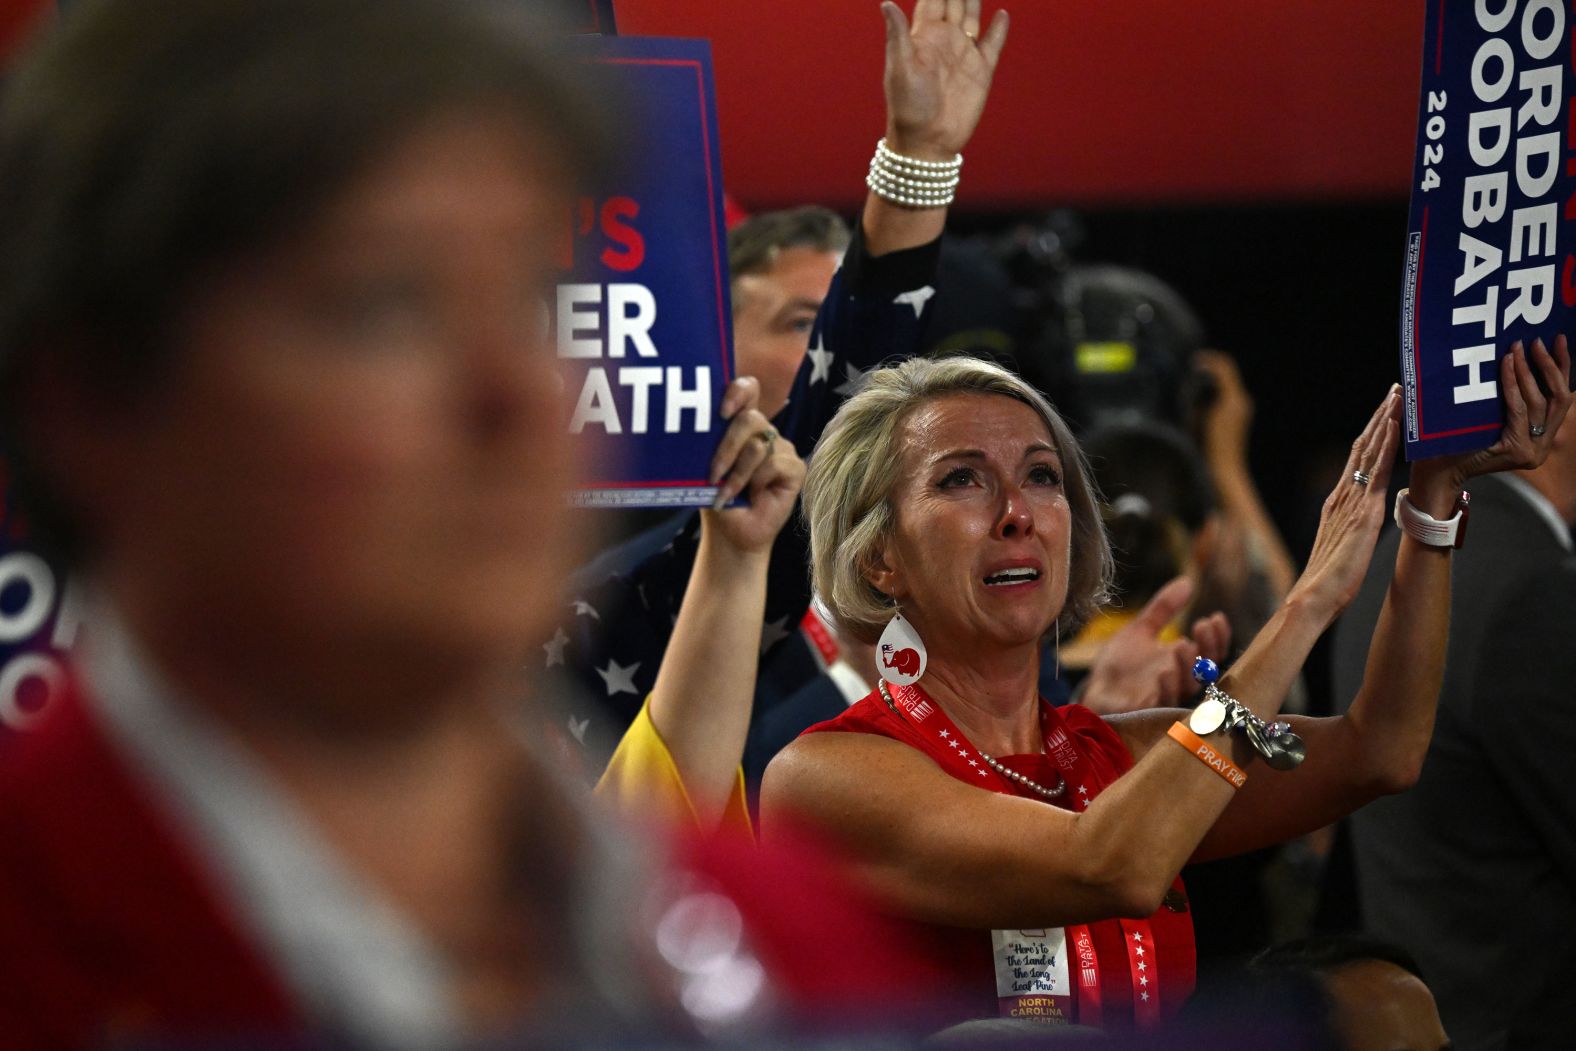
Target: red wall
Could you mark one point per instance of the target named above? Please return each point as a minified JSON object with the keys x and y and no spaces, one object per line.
{"x":1096,"y":102}
{"x":1101,"y":101}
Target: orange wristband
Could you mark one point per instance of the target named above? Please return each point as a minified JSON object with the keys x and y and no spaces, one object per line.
{"x":1229,"y":771}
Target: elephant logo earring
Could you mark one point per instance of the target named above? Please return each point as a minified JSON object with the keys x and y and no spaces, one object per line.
{"x":900,"y":655}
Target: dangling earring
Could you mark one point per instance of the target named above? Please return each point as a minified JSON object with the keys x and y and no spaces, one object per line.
{"x":1058,"y":651}
{"x":900,"y":655}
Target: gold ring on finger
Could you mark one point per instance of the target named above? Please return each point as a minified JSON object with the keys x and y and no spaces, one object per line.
{"x":769,"y":436}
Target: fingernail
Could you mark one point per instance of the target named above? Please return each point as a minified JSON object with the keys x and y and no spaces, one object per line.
{"x":723,"y":496}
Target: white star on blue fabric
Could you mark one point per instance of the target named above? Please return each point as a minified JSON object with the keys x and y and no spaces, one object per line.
{"x":583,"y":608}
{"x":916,"y":299}
{"x":619,"y":679}
{"x":850,"y":386}
{"x":555,"y":647}
{"x":820,"y":361}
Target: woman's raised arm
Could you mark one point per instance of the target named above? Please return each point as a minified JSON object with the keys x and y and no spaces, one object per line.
{"x":938,"y":76}
{"x":700,"y":705}
{"x":1379,"y":745}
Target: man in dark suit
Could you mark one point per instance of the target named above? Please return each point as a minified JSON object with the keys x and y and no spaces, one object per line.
{"x":1474,"y":869}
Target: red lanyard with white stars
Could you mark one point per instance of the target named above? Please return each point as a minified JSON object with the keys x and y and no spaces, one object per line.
{"x":956,"y":754}
{"x":1145,"y":972}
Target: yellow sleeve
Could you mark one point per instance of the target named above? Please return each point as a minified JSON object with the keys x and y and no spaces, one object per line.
{"x":643,"y":778}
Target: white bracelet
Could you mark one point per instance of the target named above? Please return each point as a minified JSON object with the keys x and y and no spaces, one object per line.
{"x":923,"y":185}
{"x":883,"y":182}
{"x":910,"y":182}
{"x":906,"y":200}
{"x":886,"y":154}
{"x":1428,"y":530}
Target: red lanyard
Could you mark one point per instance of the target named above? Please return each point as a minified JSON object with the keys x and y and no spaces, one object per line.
{"x":821,"y":639}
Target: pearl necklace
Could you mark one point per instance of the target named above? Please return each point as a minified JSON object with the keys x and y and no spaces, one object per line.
{"x":1011,"y":775}
{"x":1048,"y":793}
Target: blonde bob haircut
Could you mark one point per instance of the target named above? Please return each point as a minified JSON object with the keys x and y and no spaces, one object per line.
{"x":854,"y":470}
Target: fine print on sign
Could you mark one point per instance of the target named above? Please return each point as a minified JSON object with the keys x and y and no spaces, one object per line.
{"x":1490,"y":241}
{"x":642,"y":317}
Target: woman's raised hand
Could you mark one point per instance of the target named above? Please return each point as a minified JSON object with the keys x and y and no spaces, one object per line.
{"x":938,"y":74}
{"x":752,"y":459}
{"x":1353,"y":512}
{"x":1135,"y":670}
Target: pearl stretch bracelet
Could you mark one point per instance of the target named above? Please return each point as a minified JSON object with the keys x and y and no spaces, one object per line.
{"x":911,"y":182}
{"x":886,"y":153}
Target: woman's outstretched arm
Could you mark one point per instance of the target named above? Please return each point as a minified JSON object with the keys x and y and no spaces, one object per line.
{"x":1379,"y":745}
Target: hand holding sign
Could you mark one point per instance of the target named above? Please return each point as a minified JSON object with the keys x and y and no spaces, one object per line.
{"x":701,"y":701}
{"x":1532,"y":420}
{"x":751,"y":459}
{"x":1491,"y":247}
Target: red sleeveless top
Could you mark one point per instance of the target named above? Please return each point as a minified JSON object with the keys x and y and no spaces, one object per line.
{"x":1110,"y":973}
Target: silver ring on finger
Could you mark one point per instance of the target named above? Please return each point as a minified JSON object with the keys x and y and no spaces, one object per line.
{"x":769,"y":436}
{"x":1537,"y":430}
{"x":1360,"y":478}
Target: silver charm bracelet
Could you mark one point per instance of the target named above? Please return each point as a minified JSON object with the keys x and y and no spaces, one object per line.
{"x":1281,"y":748}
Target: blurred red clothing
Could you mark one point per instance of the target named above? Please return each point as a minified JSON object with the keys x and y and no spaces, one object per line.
{"x":113,"y":926}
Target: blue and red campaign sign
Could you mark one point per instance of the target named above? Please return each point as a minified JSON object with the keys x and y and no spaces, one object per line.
{"x":643,"y":323}
{"x":1491,"y":244}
